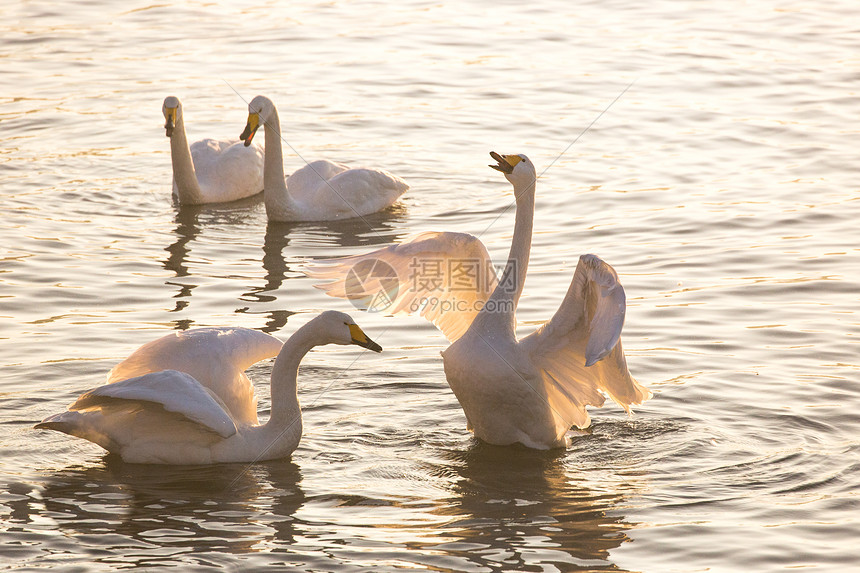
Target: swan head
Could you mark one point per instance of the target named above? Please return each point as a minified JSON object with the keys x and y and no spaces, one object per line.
{"x":172,"y":110}
{"x":260,"y":110}
{"x":518,"y":169}
{"x":339,"y":328}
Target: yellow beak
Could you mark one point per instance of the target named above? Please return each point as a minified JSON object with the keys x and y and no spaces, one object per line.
{"x":361,"y":339}
{"x":170,"y":122}
{"x":250,"y":128}
{"x":505,"y":163}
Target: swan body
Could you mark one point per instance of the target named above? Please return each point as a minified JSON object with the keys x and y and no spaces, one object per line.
{"x":210,"y":170}
{"x":184,"y":399}
{"x":529,"y":391}
{"x":321,"y":190}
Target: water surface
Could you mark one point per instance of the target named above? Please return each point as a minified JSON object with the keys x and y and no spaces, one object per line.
{"x":722,"y":186}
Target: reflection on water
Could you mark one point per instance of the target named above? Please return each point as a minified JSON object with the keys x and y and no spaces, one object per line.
{"x":523,"y":509}
{"x":366,"y":231}
{"x":721,"y":186}
{"x":239,"y":220}
{"x":370,"y":230}
{"x":190,"y":218}
{"x":187,"y":229}
{"x":506,"y":509}
{"x":145,"y":509}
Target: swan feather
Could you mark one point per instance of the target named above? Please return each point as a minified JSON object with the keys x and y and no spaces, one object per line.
{"x":532,"y":390}
{"x":415,"y":291}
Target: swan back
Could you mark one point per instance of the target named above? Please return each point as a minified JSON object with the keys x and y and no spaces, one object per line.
{"x":324,"y":190}
{"x":216,"y":356}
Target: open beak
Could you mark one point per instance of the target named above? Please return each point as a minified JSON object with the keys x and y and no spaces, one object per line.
{"x":170,"y":122}
{"x":361,"y":339}
{"x":506,"y":163}
{"x":250,"y":128}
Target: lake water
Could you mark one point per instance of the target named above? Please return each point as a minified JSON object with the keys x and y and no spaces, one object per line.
{"x":722,"y":187}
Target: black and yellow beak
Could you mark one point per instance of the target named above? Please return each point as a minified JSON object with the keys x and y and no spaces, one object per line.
{"x":170,"y":121}
{"x":361,"y":339}
{"x":250,"y":128}
{"x":506,"y":163}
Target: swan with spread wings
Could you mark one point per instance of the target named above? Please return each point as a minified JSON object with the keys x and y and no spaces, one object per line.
{"x":184,"y":399}
{"x":529,"y":391}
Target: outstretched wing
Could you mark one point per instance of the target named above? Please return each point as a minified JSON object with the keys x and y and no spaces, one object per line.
{"x":578,"y":351}
{"x":215,"y":356}
{"x":176,"y":392}
{"x":444,"y":277}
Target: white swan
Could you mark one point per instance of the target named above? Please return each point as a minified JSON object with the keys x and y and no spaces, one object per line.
{"x":530,"y":391}
{"x":185,"y":399}
{"x":211,"y":170}
{"x":321,"y":190}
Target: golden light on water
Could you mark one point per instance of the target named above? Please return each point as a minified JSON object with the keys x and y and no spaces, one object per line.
{"x":719,"y":186}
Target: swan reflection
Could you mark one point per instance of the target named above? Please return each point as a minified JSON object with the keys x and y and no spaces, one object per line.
{"x":190,"y":221}
{"x":190,"y":218}
{"x":517,"y":509}
{"x":230,"y":508}
{"x":284,"y":244}
{"x":377,"y":228}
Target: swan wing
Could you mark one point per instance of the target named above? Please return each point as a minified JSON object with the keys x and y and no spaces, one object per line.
{"x":306,"y":179}
{"x":329,"y":190}
{"x":595,"y":304}
{"x":176,"y":392}
{"x":215,"y":356}
{"x":227,"y":170}
{"x":444,"y":277}
{"x":367,"y":190}
{"x":578,"y":351}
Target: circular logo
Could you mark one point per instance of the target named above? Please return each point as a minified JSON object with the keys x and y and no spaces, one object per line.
{"x":372,"y":284}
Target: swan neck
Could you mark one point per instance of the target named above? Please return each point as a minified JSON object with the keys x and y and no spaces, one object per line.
{"x":184,"y":175}
{"x":285,"y":401}
{"x":503,"y":302}
{"x":281,"y":434}
{"x":275,"y":193}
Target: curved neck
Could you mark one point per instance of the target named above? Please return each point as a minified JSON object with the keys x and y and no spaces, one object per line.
{"x":281,"y":434}
{"x":275,"y":194}
{"x":285,"y":400}
{"x":184,"y":176}
{"x":500,"y":309}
